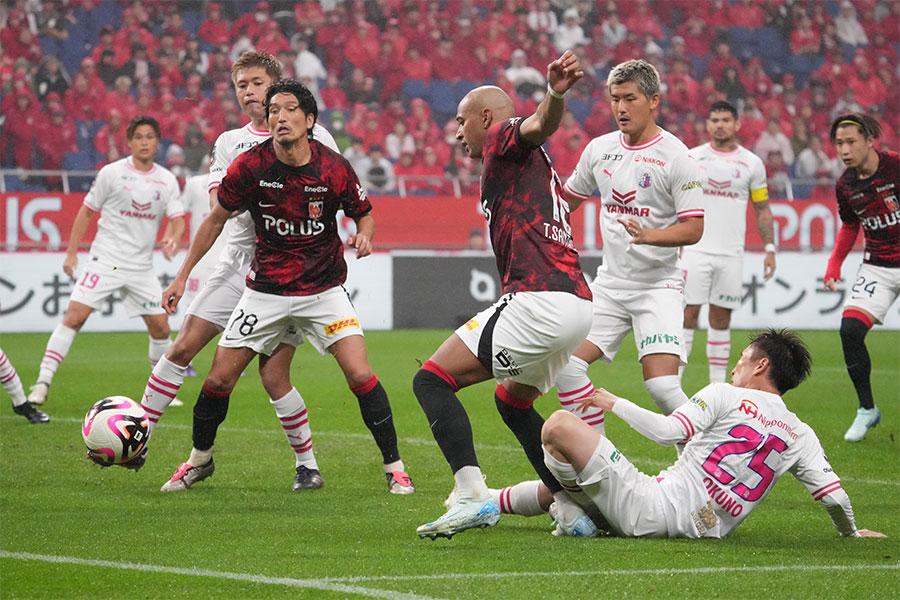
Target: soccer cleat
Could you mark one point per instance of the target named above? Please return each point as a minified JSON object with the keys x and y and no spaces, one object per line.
{"x":463,"y":514}
{"x":575,"y":523}
{"x":33,"y":415}
{"x":38,"y":393}
{"x":399,"y":483}
{"x":138,"y":461}
{"x":176,"y":402}
{"x":187,"y":475}
{"x":307,"y":479}
{"x":865,"y":418}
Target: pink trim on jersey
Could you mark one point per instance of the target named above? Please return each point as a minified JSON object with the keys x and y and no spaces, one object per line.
{"x":176,"y":215}
{"x":723,"y":153}
{"x":643,"y":146}
{"x":212,"y":185}
{"x":259,"y":132}
{"x":93,"y":208}
{"x":693,"y":212}
{"x":573,"y":192}
{"x":130,"y":165}
{"x":686,"y":423}
{"x":824,"y":491}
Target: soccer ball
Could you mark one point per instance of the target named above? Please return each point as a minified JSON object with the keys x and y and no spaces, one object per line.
{"x":115,"y":430}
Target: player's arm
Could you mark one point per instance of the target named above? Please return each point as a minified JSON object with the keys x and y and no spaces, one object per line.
{"x":685,"y":232}
{"x":765,"y":227}
{"x":172,"y":236}
{"x":362,"y":239}
{"x":846,"y":237}
{"x":664,"y":430}
{"x":79,"y":228}
{"x":573,"y":200}
{"x":207,"y":234}
{"x":562,"y":74}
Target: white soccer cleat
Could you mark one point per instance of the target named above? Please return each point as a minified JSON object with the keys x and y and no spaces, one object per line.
{"x":176,"y":402}
{"x":465,"y":513}
{"x":572,"y":521}
{"x":865,"y":418}
{"x":187,"y":475}
{"x":38,"y":393}
{"x":399,"y":482}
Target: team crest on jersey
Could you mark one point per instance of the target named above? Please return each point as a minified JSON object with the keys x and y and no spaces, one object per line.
{"x":644,"y":179}
{"x":891,"y":203}
{"x":315,"y":209}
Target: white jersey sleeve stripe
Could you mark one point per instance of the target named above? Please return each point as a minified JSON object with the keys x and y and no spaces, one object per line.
{"x":831,"y":487}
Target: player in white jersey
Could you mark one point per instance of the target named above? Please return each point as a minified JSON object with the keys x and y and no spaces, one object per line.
{"x":195,"y":198}
{"x":740,"y":439}
{"x":132,"y":195}
{"x":731,"y":175}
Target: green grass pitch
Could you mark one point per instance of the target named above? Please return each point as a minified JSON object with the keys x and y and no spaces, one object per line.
{"x":71,"y":530}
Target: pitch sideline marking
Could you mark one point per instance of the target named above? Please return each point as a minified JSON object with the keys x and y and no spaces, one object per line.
{"x":328,"y":585}
{"x":424,"y":442}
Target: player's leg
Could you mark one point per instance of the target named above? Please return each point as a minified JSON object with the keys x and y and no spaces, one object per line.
{"x":658,"y":316}
{"x":691,"y":318}
{"x":718,"y":343}
{"x":698,"y":273}
{"x":855,"y":325}
{"x":158,"y":328}
{"x":274,"y":370}
{"x":13,"y":386}
{"x":57,"y":348}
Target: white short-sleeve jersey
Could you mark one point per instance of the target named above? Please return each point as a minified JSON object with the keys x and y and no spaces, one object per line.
{"x":657,"y":183}
{"x":240,"y":231}
{"x":739,"y":442}
{"x":131,"y":204}
{"x":729,"y":180}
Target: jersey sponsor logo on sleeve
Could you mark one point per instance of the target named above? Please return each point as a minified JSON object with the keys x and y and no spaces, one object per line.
{"x":691,"y":185}
{"x":699,"y":402}
{"x":340,"y":326}
{"x":361,"y":192}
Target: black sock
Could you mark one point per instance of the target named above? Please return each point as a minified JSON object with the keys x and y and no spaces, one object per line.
{"x":209,"y":412}
{"x":447,"y":418}
{"x":376,"y":413}
{"x":526,"y":424}
{"x":856,"y":357}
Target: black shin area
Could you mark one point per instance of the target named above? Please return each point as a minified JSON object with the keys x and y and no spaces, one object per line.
{"x":526,"y":424}
{"x":856,"y":357}
{"x":209,"y":412}
{"x":447,"y":418}
{"x":376,"y":414}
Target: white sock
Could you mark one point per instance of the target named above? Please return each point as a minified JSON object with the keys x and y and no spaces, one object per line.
{"x":688,"y":336}
{"x":571,"y":492}
{"x":666,"y":392}
{"x":57,"y":347}
{"x":162,"y":387}
{"x":470,"y":483}
{"x":199,"y":457}
{"x":718,"y":351}
{"x":519,"y":499}
{"x":574,"y":384}
{"x":11,"y":382}
{"x":157,"y":349}
{"x":397,"y":465}
{"x":291,"y":411}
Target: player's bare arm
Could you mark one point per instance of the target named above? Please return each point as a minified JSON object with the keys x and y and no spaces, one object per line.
{"x":172,"y":237}
{"x":766,"y":229}
{"x":683,"y":233}
{"x":562,"y":74}
{"x":601,"y":398}
{"x":79,"y":228}
{"x":207,"y":234}
{"x":573,"y":201}
{"x":362,"y":239}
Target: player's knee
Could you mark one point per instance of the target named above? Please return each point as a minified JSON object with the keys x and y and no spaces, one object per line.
{"x":180,"y":352}
{"x":666,"y":392}
{"x":853,"y":331}
{"x":219,"y":382}
{"x":556,"y":428}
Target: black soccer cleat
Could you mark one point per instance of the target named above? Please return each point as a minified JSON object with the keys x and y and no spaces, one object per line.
{"x":307,"y":479}
{"x":138,"y":461}
{"x":33,"y":415}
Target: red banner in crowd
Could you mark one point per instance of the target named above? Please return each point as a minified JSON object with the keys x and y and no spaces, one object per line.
{"x":42,"y":221}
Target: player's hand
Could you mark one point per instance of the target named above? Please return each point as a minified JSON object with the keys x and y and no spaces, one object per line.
{"x":69,"y":265}
{"x":169,"y":247}
{"x":870,"y":533}
{"x":171,"y":296}
{"x":769,"y":265}
{"x":601,"y":398}
{"x":362,"y":244}
{"x":563,"y":72}
{"x":638,"y":234}
{"x":830,"y":284}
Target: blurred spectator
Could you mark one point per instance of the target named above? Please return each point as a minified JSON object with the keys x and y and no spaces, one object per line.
{"x":541,"y":18}
{"x":195,"y":149}
{"x":399,"y":141}
{"x":174,"y":26}
{"x":376,"y":172}
{"x":695,"y":35}
{"x":778,"y":180}
{"x":332,"y":94}
{"x":628,"y":48}
{"x":849,"y":31}
{"x":613,"y":30}
{"x":309,"y":16}
{"x":416,"y":66}
{"x":242,"y":43}
{"x":476,"y":240}
{"x":355,"y":153}
{"x":805,"y":41}
{"x":107,"y":70}
{"x":55,"y":137}
{"x":823,"y":190}
{"x":214,"y":30}
{"x":362,"y":47}
{"x":813,"y":159}
{"x":361,"y":88}
{"x":110,"y":139}
{"x":271,"y":39}
{"x":566,"y":159}
{"x":721,"y":61}
{"x":732,"y":87}
{"x":79,"y":101}
{"x":846,"y":103}
{"x":445,"y":62}
{"x":337,"y":127}
{"x":642,"y":21}
{"x":715,"y":13}
{"x":773,"y":140}
{"x":51,"y":77}
{"x":307,"y":64}
{"x":800,"y":138}
{"x":870,"y":90}
{"x":219,"y":66}
{"x":120,"y":98}
{"x":131,"y":32}
{"x":746,"y":13}
{"x":52,"y":20}
{"x":882,"y":50}
{"x":524,"y":78}
{"x":140,"y":68}
{"x":20,"y":129}
{"x":372,"y":133}
{"x":251,"y":23}
{"x":569,"y":34}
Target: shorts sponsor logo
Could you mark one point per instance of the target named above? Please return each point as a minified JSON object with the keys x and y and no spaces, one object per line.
{"x":727,"y":298}
{"x":615,"y":456}
{"x":660,"y":338}
{"x":271,"y":184}
{"x":507,"y":362}
{"x":471,"y":324}
{"x":340,"y":326}
{"x":699,"y":402}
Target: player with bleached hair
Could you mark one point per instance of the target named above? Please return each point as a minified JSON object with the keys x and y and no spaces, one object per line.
{"x":739,"y":440}
{"x":867,"y":197}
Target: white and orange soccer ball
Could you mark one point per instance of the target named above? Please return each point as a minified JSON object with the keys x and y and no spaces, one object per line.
{"x":115,"y":430}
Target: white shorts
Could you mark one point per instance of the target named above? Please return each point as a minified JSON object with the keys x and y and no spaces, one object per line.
{"x":874,"y":290}
{"x":632,"y":502}
{"x":710,"y":279}
{"x":656,"y":315}
{"x":140,"y":291}
{"x":528,"y":337}
{"x":216,"y":300}
{"x":263,"y":321}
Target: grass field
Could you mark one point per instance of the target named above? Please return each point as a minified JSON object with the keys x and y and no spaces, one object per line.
{"x":72,"y":530}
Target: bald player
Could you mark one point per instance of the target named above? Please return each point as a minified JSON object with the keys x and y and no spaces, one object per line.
{"x":525,"y":339}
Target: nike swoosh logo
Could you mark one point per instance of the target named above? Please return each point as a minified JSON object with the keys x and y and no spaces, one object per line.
{"x":384,"y":420}
{"x":231,"y":339}
{"x":261,"y":205}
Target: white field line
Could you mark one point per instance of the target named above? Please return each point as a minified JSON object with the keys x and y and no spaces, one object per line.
{"x":622,"y":572}
{"x":639,"y":461}
{"x":318,"y":584}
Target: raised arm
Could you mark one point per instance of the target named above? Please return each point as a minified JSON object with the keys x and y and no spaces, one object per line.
{"x":562,"y":74}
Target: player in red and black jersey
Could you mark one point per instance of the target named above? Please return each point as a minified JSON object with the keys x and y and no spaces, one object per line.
{"x":293,"y":187}
{"x":867,"y":196}
{"x":525,"y":339}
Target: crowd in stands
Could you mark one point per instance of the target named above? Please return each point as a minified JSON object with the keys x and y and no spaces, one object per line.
{"x":388,"y":74}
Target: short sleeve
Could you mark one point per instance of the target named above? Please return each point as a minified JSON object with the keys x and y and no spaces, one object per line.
{"x":503,"y":139}
{"x":354,"y":200}
{"x":686,"y":187}
{"x":99,"y":192}
{"x":221,"y":159}
{"x":582,"y":182}
{"x":759,"y":189}
{"x":174,"y":205}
